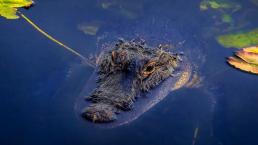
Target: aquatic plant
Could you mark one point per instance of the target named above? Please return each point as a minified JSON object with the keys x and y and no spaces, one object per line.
{"x":9,"y":10}
{"x":245,"y":59}
{"x":219,"y":4}
{"x":239,"y":39}
{"x":222,"y":12}
{"x":214,"y":4}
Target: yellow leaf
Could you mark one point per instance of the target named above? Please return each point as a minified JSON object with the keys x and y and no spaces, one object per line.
{"x":8,"y":8}
{"x":248,"y":57}
{"x":253,"y":49}
{"x":242,"y":65}
{"x":8,"y":13}
{"x":16,"y":3}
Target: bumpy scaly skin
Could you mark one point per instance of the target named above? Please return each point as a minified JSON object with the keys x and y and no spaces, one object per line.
{"x":124,"y":71}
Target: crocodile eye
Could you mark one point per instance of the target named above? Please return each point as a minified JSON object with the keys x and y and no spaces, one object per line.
{"x":148,"y":68}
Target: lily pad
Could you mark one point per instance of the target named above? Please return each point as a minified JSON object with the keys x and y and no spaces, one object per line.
{"x":8,"y":8}
{"x":242,"y":65}
{"x":239,"y":40}
{"x":246,"y":60}
{"x":248,"y":57}
{"x":253,"y":49}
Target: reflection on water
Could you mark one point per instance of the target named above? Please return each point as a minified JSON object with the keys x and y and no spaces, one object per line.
{"x":40,"y":82}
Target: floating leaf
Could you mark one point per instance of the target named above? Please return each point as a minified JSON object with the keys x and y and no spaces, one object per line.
{"x":242,"y":65}
{"x":8,"y":13}
{"x":239,"y":40}
{"x":8,"y":8}
{"x":218,"y":4}
{"x":246,"y":59}
{"x":253,"y":49}
{"x":205,"y":5}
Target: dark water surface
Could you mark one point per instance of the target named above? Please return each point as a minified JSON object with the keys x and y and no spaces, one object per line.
{"x":40,"y":82}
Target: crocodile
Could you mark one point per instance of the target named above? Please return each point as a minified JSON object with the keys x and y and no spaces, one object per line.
{"x":131,"y":78}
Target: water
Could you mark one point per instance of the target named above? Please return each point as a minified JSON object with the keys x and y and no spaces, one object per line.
{"x":40,"y":82}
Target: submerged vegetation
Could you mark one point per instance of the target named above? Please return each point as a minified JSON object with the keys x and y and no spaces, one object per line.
{"x":128,"y":9}
{"x":222,"y":13}
{"x":90,"y":28}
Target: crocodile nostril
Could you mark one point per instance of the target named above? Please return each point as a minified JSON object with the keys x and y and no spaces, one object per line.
{"x":119,"y":57}
{"x":114,"y":55}
{"x":100,"y":112}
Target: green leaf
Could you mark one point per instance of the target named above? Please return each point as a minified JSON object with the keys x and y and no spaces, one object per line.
{"x":8,"y":8}
{"x":239,"y":40}
{"x":217,"y":4}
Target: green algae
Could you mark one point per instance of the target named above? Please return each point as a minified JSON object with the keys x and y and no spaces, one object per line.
{"x":240,"y":39}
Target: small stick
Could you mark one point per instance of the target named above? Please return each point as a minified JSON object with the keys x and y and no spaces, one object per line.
{"x":196,"y":132}
{"x":56,"y":41}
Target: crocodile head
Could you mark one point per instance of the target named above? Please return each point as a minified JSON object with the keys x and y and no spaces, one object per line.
{"x":124,"y":71}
